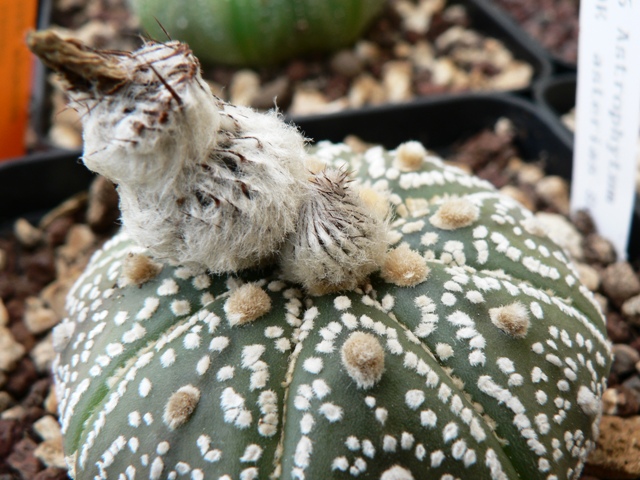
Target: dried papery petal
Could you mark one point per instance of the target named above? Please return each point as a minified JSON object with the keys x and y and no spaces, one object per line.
{"x":339,"y":241}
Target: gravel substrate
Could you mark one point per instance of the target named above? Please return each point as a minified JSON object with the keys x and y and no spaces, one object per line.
{"x":553,"y":23}
{"x":415,"y":48}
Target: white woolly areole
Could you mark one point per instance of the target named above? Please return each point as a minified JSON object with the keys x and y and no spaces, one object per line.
{"x":455,"y":213}
{"x":404,"y":267}
{"x":363,"y":359}
{"x":138,"y":268}
{"x":180,"y":406}
{"x":339,"y":240}
{"x":196,"y":177}
{"x":246,"y":304}
{"x":512,"y":319}
{"x":409,"y":156}
{"x":397,"y":473}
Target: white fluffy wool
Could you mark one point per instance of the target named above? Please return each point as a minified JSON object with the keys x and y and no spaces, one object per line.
{"x":201,"y":182}
{"x":339,"y":240}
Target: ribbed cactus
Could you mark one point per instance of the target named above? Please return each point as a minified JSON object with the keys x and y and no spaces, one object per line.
{"x":258,"y":32}
{"x":452,"y":340}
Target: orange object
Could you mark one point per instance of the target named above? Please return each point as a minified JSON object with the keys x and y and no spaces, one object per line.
{"x":16,"y":66}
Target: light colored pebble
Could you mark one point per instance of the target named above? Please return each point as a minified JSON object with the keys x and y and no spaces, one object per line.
{"x":47,"y":428}
{"x":37,"y":317}
{"x":10,"y":350}
{"x":27,"y":234}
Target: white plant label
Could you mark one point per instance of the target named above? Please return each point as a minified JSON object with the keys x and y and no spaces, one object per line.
{"x":607,"y":116}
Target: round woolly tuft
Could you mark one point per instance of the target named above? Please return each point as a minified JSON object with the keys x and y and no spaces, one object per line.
{"x":404,"y":267}
{"x":246,"y":304}
{"x":363,"y":359}
{"x":455,"y":213}
{"x":137,"y":269}
{"x":512,"y":319}
{"x":180,"y":406}
{"x":409,"y":156}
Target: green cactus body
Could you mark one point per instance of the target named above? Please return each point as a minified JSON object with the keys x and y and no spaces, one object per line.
{"x":490,"y":366}
{"x":258,"y":32}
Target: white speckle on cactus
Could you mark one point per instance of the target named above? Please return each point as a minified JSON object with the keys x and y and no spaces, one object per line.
{"x":340,"y":463}
{"x":363,"y":359}
{"x":512,"y":319}
{"x":218,"y":344}
{"x":437,"y":457}
{"x":180,"y":307}
{"x":428,"y":418}
{"x":203,"y":365}
{"x":62,"y":334}
{"x":352,"y":443}
{"x":252,"y":453}
{"x":331,"y":412}
{"x":444,"y":351}
{"x":409,"y":156}
{"x":144,"y":388}
{"x":389,"y":444}
{"x":168,"y":287}
{"x":412,"y":227}
{"x":137,"y":269}
{"x":455,"y":213}
{"x":381,"y":414}
{"x":246,"y":304}
{"x":397,"y":473}
{"x":150,"y":306}
{"x":168,"y":358}
{"x":157,"y":466}
{"x":148,"y":418}
{"x":414,"y":398}
{"x":404,"y":267}
{"x":135,"y":419}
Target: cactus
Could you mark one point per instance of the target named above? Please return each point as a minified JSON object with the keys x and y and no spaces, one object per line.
{"x":258,"y":32}
{"x":452,"y":340}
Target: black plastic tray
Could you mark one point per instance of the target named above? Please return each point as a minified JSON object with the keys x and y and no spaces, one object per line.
{"x":556,"y":94}
{"x":508,"y":23}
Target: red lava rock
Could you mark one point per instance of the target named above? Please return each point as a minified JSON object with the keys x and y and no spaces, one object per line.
{"x":56,"y":233}
{"x":23,"y":460}
{"x":40,"y":267}
{"x":38,"y":393}
{"x":620,"y":282}
{"x":10,"y":432}
{"x":23,"y":335}
{"x":51,"y":473}
{"x":21,"y":378}
{"x":618,"y":329}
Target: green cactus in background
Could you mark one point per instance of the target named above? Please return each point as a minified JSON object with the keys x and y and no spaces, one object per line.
{"x":447,"y":339}
{"x":258,"y":32}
